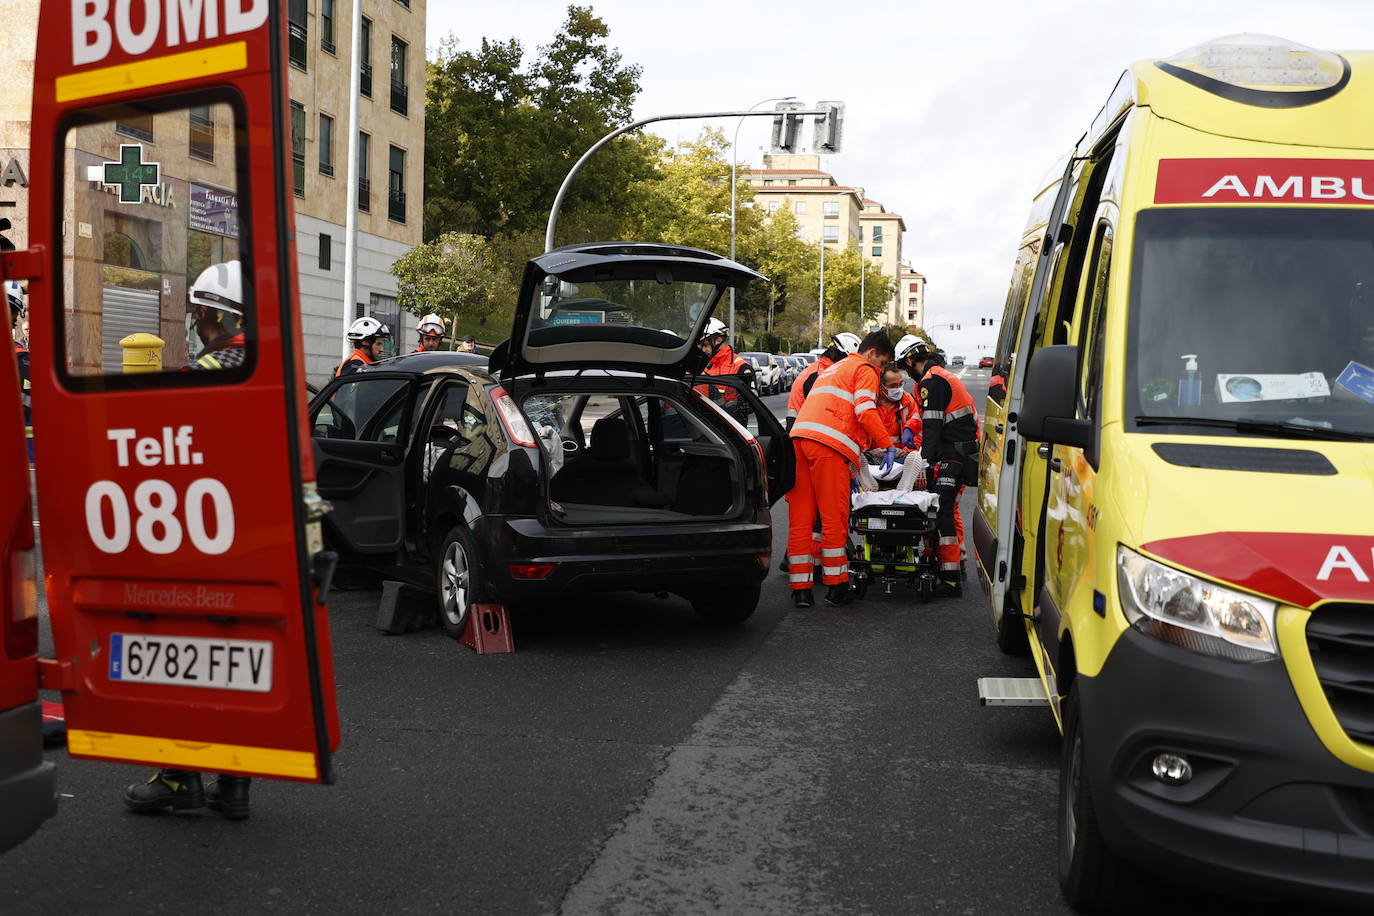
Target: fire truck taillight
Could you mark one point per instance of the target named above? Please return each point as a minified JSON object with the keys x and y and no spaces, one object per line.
{"x":21,"y":617}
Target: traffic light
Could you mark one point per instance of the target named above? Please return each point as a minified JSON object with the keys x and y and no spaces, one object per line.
{"x":786,"y":127}
{"x":982,"y":322}
{"x":829,"y":128}
{"x":5,"y":243}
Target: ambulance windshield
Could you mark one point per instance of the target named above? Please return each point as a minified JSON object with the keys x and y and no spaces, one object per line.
{"x":1247,"y":318}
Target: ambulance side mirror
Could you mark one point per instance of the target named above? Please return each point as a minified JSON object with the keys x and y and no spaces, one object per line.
{"x":1049,"y":404}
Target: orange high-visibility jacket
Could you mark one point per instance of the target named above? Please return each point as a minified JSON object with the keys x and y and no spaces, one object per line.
{"x":800,"y":388}
{"x":904,"y":414}
{"x":724,"y":362}
{"x":841,"y":411}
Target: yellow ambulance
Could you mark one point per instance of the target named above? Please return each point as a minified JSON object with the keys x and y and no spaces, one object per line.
{"x":1176,"y":505}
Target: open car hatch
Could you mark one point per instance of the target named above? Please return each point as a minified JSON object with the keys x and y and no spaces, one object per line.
{"x":620,"y":305}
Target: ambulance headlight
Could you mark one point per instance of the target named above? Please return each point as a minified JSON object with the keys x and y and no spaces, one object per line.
{"x":1262,"y":62}
{"x":1207,"y":618}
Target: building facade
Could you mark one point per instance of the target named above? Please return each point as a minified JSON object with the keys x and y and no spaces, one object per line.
{"x":137,"y":259}
{"x":911,"y":291}
{"x":835,"y":215}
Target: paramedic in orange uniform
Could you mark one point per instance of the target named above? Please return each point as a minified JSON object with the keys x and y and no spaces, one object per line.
{"x":840,"y":413}
{"x":841,"y":345}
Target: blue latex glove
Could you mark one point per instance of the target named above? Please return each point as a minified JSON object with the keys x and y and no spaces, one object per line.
{"x":889,"y":459}
{"x":908,"y":438}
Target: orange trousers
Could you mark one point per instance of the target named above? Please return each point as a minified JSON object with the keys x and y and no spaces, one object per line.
{"x":822,"y":488}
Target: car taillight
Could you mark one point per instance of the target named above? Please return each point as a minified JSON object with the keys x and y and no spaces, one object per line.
{"x":21,"y":617}
{"x":516,"y":426}
{"x":531,"y":570}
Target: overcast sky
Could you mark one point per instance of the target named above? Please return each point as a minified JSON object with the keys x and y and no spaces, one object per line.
{"x":955,"y":108}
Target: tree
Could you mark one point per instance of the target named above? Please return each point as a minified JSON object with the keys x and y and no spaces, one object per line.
{"x":501,"y":132}
{"x":461,"y":277}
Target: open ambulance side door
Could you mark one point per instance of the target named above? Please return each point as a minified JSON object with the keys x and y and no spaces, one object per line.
{"x":179,"y":523}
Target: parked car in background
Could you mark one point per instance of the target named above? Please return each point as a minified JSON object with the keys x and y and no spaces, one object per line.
{"x":985,"y":363}
{"x":806,"y":358}
{"x":790,"y":369}
{"x":584,"y":458}
{"x":956,"y":360}
{"x":767,"y":371}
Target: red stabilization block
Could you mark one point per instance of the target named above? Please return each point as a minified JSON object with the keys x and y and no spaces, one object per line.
{"x":488,"y":630}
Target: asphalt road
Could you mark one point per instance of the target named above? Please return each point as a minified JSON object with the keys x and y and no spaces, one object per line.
{"x":625,"y":759}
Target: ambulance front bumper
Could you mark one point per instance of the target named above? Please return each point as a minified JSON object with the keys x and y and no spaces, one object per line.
{"x":1268,"y":810}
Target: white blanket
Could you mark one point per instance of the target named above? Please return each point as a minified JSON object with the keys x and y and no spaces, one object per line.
{"x":927,"y":502}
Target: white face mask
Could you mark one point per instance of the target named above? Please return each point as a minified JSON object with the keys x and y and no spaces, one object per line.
{"x":895,"y":393}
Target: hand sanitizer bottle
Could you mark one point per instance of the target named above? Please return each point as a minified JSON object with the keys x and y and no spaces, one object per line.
{"x":1190,"y":385}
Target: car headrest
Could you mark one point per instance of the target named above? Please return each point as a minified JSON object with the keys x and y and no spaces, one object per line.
{"x":610,"y":439}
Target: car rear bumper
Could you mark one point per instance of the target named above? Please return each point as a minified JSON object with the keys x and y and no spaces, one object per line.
{"x":645,"y":558}
{"x":28,"y":784}
{"x":1269,"y":809}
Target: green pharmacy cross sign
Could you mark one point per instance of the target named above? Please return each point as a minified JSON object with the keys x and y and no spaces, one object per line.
{"x":131,"y":173}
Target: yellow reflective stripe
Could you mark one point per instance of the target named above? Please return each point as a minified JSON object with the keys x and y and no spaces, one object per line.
{"x":831,"y":389}
{"x":209,"y":362}
{"x":170,"y":68}
{"x":192,"y":755}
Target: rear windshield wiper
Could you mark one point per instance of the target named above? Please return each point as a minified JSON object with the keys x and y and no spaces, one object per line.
{"x":1260,"y":427}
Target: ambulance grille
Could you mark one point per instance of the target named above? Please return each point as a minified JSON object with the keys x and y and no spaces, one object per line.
{"x":1341,"y":640}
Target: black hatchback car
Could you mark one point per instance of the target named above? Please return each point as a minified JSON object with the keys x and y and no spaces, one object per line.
{"x":585,"y":457}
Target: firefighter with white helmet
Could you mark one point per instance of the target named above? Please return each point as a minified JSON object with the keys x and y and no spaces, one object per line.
{"x":431,"y":331}
{"x":722,"y":360}
{"x":369,"y":335}
{"x":216,"y":305}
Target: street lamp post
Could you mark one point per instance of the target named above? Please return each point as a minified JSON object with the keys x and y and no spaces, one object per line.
{"x":734,"y":191}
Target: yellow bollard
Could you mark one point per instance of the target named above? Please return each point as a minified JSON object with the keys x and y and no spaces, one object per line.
{"x":142,"y":353}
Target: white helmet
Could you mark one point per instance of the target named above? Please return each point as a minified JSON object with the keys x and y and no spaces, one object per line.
{"x":14,"y":295}
{"x":846,"y":342}
{"x":219,"y":286}
{"x":715,"y":326}
{"x":366,"y":327}
{"x":911,"y":345}
{"x":431,"y":324}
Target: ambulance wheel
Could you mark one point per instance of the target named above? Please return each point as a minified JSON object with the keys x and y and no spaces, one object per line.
{"x":1011,"y":631}
{"x":727,"y":607}
{"x":458,"y":580}
{"x":1093,"y":878}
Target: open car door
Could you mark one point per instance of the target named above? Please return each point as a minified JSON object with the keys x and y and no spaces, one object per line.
{"x":179,"y":522}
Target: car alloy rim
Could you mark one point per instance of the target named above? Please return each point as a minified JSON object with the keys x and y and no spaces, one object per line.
{"x":454,"y":583}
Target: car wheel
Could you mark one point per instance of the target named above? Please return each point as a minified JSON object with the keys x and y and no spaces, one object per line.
{"x":1093,"y":878}
{"x":458,"y":580}
{"x":1011,"y":631}
{"x":725,"y":607}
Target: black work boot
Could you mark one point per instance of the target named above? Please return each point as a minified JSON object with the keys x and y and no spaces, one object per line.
{"x":167,"y":790}
{"x":839,"y":594}
{"x":229,"y":796}
{"x":802,"y":598}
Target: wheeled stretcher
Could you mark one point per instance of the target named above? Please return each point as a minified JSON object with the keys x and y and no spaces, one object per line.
{"x":892,"y":532}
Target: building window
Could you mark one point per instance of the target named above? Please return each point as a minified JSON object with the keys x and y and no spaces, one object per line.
{"x":365,"y":56}
{"x":326,"y":252}
{"x":832,"y":208}
{"x":399,"y":91}
{"x":396,"y":186}
{"x":405,"y":3}
{"x":326,"y":144}
{"x":877,"y":233}
{"x":877,"y":251}
{"x":830,"y":233}
{"x":298,"y":148}
{"x":297,"y":31}
{"x":140,"y":126}
{"x":792,"y":182}
{"x":364,"y":183}
{"x":327,"y":25}
{"x":767,"y":182}
{"x":388,"y":311}
{"x":799,"y":208}
{"x":202,"y":133}
{"x":774,"y":206}
{"x":913,"y":287}
{"x":861,"y":234}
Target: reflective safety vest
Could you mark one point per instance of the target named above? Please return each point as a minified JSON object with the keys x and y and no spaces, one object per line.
{"x":355,"y":361}
{"x":229,"y":354}
{"x":724,"y":362}
{"x":950,"y":420}
{"x":799,"y":387}
{"x":841,"y":410}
